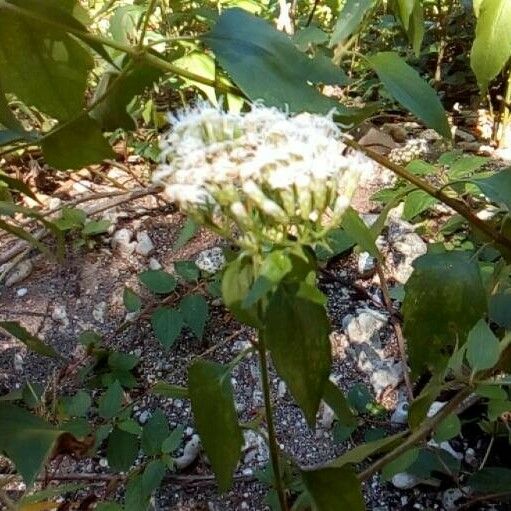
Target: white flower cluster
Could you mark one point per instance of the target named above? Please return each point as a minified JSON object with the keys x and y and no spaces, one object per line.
{"x":271,"y":174}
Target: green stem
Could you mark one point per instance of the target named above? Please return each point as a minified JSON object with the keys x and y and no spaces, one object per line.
{"x":455,"y":204}
{"x":272,"y":439}
{"x":148,"y":14}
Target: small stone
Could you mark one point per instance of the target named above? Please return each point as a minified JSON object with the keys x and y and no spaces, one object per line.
{"x":463,"y":135}
{"x":281,"y":389}
{"x":98,"y":313}
{"x":18,"y":362}
{"x":144,"y":416}
{"x":121,"y":241}
{"x":22,"y":291}
{"x":405,"y":481}
{"x":326,"y":418}
{"x":255,"y":447}
{"x":190,"y":453}
{"x":435,"y":407}
{"x":189,"y":431}
{"x":144,"y":244}
{"x":154,"y":264}
{"x":388,"y":376}
{"x":470,"y":457}
{"x":400,"y":414}
{"x":366,"y":264}
{"x":247,"y":472}
{"x":103,"y":462}
{"x":211,"y":260}
{"x":60,"y":314}
{"x":450,"y":498}
{"x":19,"y":273}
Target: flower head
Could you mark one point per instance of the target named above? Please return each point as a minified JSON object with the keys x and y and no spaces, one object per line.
{"x":265,"y":171}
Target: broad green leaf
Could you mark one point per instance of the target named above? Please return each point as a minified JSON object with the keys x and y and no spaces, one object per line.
{"x":403,"y":9}
{"x":125,"y":21}
{"x":130,"y":426}
{"x":434,"y":460}
{"x":108,"y":506}
{"x":465,"y":165}
{"x":167,"y":324}
{"x":491,"y":480}
{"x":309,"y":36}
{"x":155,"y":432}
{"x":449,"y":428}
{"x":249,"y":48}
{"x":483,"y":348}
{"x":32,"y":342}
{"x":357,"y":230}
{"x":421,"y":404}
{"x":215,"y":415}
{"x":84,"y":136}
{"x":162,"y":388}
{"x":410,"y":13}
{"x":360,"y":398}
{"x":400,"y":464}
{"x":349,"y":19}
{"x":444,"y":298}
{"x":110,"y":402}
{"x":187,"y":270}
{"x":122,"y":450}
{"x":188,"y":231}
{"x":497,"y":187}
{"x":122,"y":361}
{"x":9,"y":121}
{"x":195,"y":312}
{"x":410,"y":90}
{"x":417,"y":202}
{"x":297,"y":335}
{"x":26,"y":439}
{"x":131,"y":300}
{"x":57,"y":491}
{"x":237,"y":281}
{"x":275,"y":266}
{"x":173,"y":441}
{"x":500,"y":309}
{"x":492,"y":45}
{"x":334,"y":489}
{"x":94,"y":227}
{"x":363,"y":451}
{"x":477,"y":6}
{"x":158,"y":281}
{"x":335,"y":399}
{"x":153,"y":476}
{"x":121,"y":87}
{"x":78,"y":405}
{"x":16,"y":184}
{"x":29,"y":49}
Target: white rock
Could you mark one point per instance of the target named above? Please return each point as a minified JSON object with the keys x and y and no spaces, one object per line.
{"x":144,"y":416}
{"x":365,"y":327}
{"x":400,"y":414}
{"x":470,"y":457}
{"x":405,"y":481}
{"x":435,"y":407}
{"x":154,"y":264}
{"x":22,"y":291}
{"x":450,"y":498}
{"x":98,"y":313}
{"x":121,"y":241}
{"x":19,"y":273}
{"x":366,"y":264}
{"x":18,"y":362}
{"x":281,"y":389}
{"x":190,"y":453}
{"x":211,"y":260}
{"x":447,"y":447}
{"x":254,"y":448}
{"x":103,"y":462}
{"x":326,"y":418}
{"x":389,"y":375}
{"x":144,"y":244}
{"x":59,"y":314}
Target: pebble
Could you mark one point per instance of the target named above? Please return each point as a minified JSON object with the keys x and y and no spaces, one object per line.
{"x":144,"y":244}
{"x":190,"y":453}
{"x":281,"y":389}
{"x":400,"y":414}
{"x":98,"y":313}
{"x":154,"y":264}
{"x":22,"y":291}
{"x":366,"y":264}
{"x":405,"y":481}
{"x":435,"y":407}
{"x":121,"y":241}
{"x":19,"y":273}
{"x":211,"y":260}
{"x":60,"y":314}
{"x":103,"y":462}
{"x":450,"y":497}
{"x":18,"y":362}
{"x":470,"y":457}
{"x":144,"y":416}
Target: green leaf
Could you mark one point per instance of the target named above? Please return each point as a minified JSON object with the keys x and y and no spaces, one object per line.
{"x":195,"y":312}
{"x":187,"y":270}
{"x":108,"y":506}
{"x":9,"y":121}
{"x":29,"y":49}
{"x":449,"y":428}
{"x":483,"y":348}
{"x":155,"y":432}
{"x":417,"y":202}
{"x":334,"y":489}
{"x":349,"y":20}
{"x":158,"y":281}
{"x":491,"y":480}
{"x":275,"y":266}
{"x":410,"y":90}
{"x":237,"y":281}
{"x":249,"y":48}
{"x":122,"y":361}
{"x":167,"y":324}
{"x":334,"y":398}
{"x":411,"y":15}
{"x":444,"y":298}
{"x":153,"y":476}
{"x":466,"y":165}
{"x":131,"y":300}
{"x":78,"y":405}
{"x":122,"y":450}
{"x":188,"y":231}
{"x":297,"y":335}
{"x":94,"y":227}
{"x":363,"y":451}
{"x":84,"y":136}
{"x":32,"y":342}
{"x":309,"y":36}
{"x":121,"y":87}
{"x":500,"y":309}
{"x":24,"y":235}
{"x":497,"y":187}
{"x":26,"y":439}
{"x":57,"y":491}
{"x":400,"y":464}
{"x":130,"y":426}
{"x":492,"y":45}
{"x":358,"y":231}
{"x":173,"y":441}
{"x":110,"y":402}
{"x":422,"y":403}
{"x":360,"y":398}
{"x":16,"y":184}
{"x":162,"y":388}
{"x":215,"y":415}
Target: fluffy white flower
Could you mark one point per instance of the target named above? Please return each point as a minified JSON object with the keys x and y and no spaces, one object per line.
{"x":267,"y":171}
